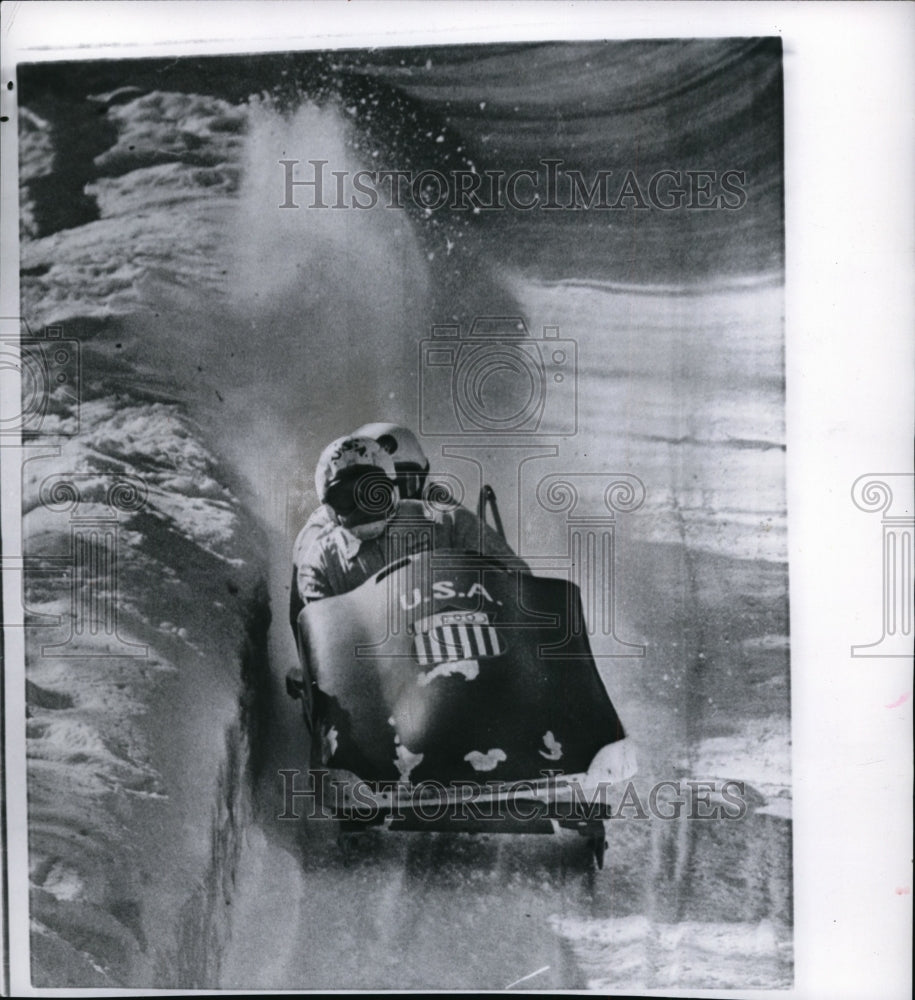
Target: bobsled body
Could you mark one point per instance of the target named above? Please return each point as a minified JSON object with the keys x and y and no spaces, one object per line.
{"x":453,"y":672}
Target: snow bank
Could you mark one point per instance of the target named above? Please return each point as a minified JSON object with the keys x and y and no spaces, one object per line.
{"x":144,"y":573}
{"x":136,"y":732}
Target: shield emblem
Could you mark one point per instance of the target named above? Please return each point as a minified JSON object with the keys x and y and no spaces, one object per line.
{"x":455,"y":635}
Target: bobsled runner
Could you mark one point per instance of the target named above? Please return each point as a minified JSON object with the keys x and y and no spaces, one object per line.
{"x":450,"y":691}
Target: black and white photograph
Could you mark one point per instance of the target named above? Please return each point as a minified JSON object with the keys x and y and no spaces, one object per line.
{"x":404,"y":578}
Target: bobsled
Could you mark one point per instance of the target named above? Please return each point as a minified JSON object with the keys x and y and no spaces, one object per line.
{"x":453,"y":691}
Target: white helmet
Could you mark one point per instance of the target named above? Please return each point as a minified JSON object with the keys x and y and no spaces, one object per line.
{"x":409,"y":458}
{"x":356,"y":478}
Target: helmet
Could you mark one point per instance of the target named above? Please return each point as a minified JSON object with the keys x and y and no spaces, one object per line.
{"x":356,"y":478}
{"x":409,"y":458}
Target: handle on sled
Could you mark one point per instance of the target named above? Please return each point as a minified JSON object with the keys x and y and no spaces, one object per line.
{"x":488,"y":499}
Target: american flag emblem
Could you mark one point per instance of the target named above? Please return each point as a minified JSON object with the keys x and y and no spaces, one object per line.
{"x":455,"y":635}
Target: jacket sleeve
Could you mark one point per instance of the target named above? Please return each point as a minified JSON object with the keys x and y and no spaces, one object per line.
{"x":308,"y":584}
{"x":295,"y":602}
{"x":311,"y":580}
{"x":309,"y":576}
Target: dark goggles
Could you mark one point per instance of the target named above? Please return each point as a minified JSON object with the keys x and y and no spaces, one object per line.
{"x":364,"y":496}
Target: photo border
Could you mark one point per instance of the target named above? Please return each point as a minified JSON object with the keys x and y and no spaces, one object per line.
{"x":849,"y":136}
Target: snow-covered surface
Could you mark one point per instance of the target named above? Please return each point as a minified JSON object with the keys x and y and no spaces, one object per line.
{"x":640,"y":953}
{"x":165,"y":185}
{"x":696,"y":417}
{"x":760,"y":755}
{"x":135,"y":697}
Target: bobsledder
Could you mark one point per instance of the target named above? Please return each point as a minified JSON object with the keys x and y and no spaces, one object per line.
{"x":450,"y":691}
